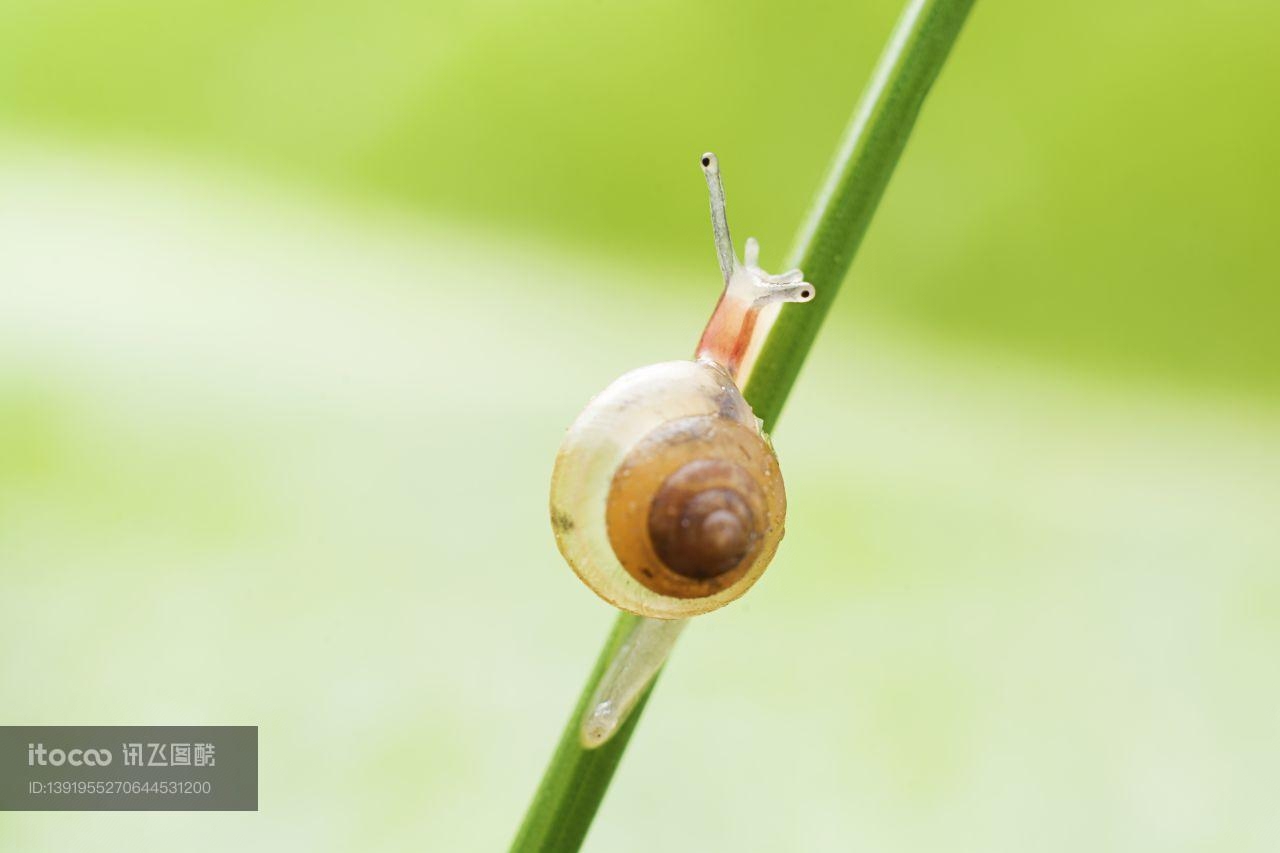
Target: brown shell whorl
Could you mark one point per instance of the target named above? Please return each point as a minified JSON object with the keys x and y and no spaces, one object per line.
{"x":696,"y":506}
{"x":701,"y":522}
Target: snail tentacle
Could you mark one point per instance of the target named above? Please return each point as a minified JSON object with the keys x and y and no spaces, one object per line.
{"x":719,"y":219}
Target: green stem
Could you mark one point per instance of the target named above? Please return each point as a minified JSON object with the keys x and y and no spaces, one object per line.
{"x":577,"y":778}
{"x":859,"y":174}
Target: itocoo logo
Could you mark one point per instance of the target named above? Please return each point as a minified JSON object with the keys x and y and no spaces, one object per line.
{"x":37,"y":754}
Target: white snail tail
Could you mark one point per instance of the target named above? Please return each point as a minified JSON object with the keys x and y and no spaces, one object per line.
{"x":637,"y":662}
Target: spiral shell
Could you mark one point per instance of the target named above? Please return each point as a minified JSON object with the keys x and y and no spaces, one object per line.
{"x":666,"y":498}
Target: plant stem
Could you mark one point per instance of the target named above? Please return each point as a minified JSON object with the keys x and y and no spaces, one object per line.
{"x":577,"y":778}
{"x":859,"y":174}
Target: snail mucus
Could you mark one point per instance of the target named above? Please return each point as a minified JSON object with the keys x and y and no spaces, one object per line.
{"x":666,"y":497}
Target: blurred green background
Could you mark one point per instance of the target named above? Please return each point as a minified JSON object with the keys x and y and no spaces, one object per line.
{"x":297,"y":299}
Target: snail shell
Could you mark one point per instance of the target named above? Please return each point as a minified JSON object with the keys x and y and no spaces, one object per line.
{"x":666,"y":498}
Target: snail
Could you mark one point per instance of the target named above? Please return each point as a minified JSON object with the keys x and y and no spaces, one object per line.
{"x":666,"y":496}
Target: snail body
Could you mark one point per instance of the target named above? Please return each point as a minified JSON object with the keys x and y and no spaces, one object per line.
{"x":666,"y":498}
